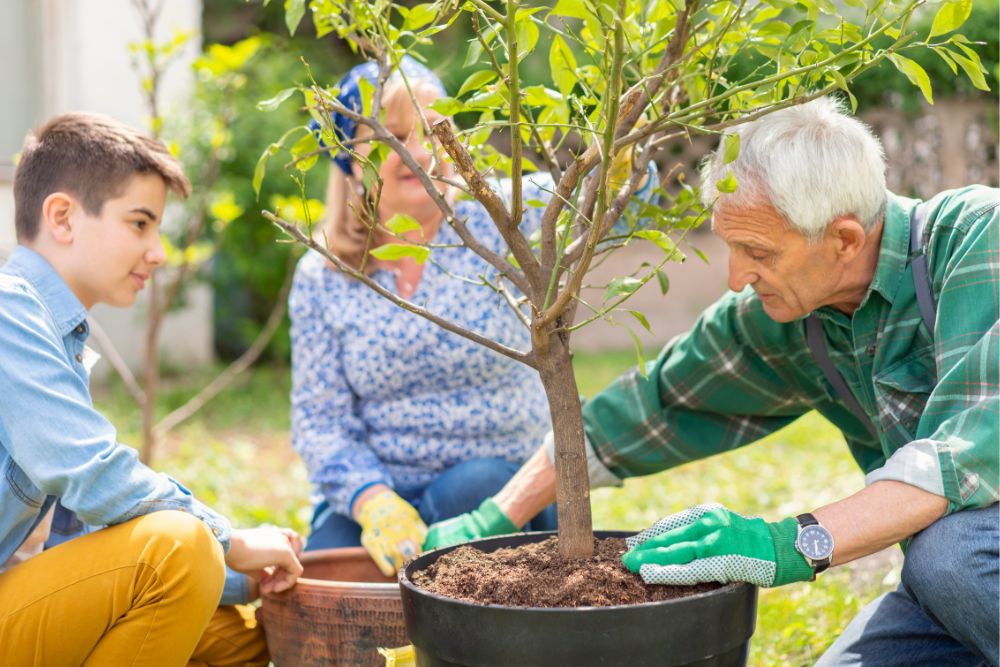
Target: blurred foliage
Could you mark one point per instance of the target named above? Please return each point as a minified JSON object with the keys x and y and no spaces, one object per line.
{"x":249,"y":267}
{"x":883,"y":85}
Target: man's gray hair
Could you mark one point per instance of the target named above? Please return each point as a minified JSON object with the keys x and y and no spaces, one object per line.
{"x":812,"y":162}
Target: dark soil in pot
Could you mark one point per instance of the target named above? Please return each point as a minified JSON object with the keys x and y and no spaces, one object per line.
{"x":710,"y":626}
{"x":534,"y":575}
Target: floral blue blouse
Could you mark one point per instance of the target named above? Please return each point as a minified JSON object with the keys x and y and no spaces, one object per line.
{"x":381,"y":395}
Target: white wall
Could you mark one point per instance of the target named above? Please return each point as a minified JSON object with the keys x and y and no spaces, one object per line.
{"x":85,"y":66}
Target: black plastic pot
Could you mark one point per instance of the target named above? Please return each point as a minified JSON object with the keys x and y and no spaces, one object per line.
{"x":708,"y":630}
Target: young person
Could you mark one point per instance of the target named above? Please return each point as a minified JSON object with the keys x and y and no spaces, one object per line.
{"x":144,"y":589}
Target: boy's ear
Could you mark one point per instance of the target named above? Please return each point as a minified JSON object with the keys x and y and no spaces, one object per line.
{"x":56,"y":213}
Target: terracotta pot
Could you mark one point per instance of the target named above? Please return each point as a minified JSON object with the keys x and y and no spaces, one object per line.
{"x":710,"y":629}
{"x":339,"y":613}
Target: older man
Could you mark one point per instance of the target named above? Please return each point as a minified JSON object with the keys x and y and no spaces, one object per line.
{"x":846,"y":299}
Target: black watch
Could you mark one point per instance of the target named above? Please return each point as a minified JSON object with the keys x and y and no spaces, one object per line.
{"x":814,"y":542}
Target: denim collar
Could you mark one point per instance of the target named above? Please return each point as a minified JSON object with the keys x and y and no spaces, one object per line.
{"x":66,"y":309}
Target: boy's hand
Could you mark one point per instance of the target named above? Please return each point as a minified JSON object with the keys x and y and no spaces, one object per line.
{"x":486,"y":521}
{"x":267,"y":555}
{"x":391,"y":530}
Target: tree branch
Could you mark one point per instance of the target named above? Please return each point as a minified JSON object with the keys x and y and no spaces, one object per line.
{"x":481,"y":190}
{"x":296,"y":234}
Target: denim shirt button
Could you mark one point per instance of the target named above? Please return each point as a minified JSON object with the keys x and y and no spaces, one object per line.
{"x":80,"y":329}
{"x":79,"y":358}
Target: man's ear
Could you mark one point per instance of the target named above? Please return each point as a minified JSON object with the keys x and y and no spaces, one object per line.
{"x":56,"y":213}
{"x":848,"y":237}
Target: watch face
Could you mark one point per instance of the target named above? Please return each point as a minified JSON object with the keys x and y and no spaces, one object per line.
{"x":815,"y":542}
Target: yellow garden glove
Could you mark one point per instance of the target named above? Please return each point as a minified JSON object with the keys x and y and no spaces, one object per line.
{"x":391,"y":530}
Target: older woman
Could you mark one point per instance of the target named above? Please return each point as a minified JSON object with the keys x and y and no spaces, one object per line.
{"x":401,"y":423}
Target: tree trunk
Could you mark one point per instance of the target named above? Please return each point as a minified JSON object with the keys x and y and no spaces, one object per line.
{"x":576,"y":530}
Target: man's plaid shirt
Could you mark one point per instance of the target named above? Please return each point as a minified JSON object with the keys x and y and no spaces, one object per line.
{"x":933,"y":396}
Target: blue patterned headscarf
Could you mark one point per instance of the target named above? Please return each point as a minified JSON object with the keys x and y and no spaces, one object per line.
{"x":350,"y":97}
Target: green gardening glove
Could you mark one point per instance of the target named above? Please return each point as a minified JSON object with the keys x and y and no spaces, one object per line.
{"x":711,"y":543}
{"x":486,"y":521}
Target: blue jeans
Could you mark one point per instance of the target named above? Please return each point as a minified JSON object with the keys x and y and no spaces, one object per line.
{"x":458,"y":490}
{"x":945,"y":611}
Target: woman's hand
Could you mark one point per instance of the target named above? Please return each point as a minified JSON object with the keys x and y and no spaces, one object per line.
{"x":391,"y":529}
{"x":269,"y":556}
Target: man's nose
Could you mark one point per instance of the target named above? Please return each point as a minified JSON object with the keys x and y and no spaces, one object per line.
{"x":740,"y":274}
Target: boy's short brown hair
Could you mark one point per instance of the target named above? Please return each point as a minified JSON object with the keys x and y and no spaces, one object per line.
{"x":90,"y":157}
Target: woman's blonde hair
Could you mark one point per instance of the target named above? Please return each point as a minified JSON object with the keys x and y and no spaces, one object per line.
{"x":349,"y":211}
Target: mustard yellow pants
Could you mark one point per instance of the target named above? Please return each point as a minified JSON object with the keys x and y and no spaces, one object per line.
{"x":145,"y":592}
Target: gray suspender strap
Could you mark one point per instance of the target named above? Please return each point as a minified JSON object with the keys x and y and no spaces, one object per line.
{"x":918,"y":264}
{"x":817,"y":343}
{"x":816,"y":339}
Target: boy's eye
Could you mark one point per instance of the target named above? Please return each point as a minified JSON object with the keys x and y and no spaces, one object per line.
{"x":140,"y":225}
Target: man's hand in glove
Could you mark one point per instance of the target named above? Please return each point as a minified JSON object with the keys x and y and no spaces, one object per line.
{"x":711,"y":543}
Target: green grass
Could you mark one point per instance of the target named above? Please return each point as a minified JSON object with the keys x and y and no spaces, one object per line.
{"x":235,"y":455}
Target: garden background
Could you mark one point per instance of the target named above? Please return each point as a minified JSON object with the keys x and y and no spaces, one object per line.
{"x":235,"y":453}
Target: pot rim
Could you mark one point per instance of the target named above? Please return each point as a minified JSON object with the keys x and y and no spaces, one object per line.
{"x":318,"y":555}
{"x":404,"y":580}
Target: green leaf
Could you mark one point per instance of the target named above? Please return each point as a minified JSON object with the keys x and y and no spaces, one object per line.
{"x":972,"y":65}
{"x":562,"y":62}
{"x":799,"y":26}
{"x":261,"y":168}
{"x":419,"y":16}
{"x":622,"y":285}
{"x":952,"y":14}
{"x":945,"y":55}
{"x":309,"y":143}
{"x":475,"y":81}
{"x":447,"y":106}
{"x":915,"y":73}
{"x":391,"y":251}
{"x":730,"y":147}
{"x":274,"y":102}
{"x":472,"y":53}
{"x":663,"y":241}
{"x":294,"y":11}
{"x":642,"y":319}
{"x":727,"y":184}
{"x":400,"y":223}
{"x":367,"y":90}
{"x":640,"y":360}
{"x":540,"y":96}
{"x":664,"y":281}
{"x":574,"y":9}
{"x":527,"y":37}
{"x":841,"y":82}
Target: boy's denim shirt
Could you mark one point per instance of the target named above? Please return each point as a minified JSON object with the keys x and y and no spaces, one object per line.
{"x":54,"y":446}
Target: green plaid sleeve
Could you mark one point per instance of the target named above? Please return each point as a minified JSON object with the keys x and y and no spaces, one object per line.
{"x":729,"y":381}
{"x":963,"y":411}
